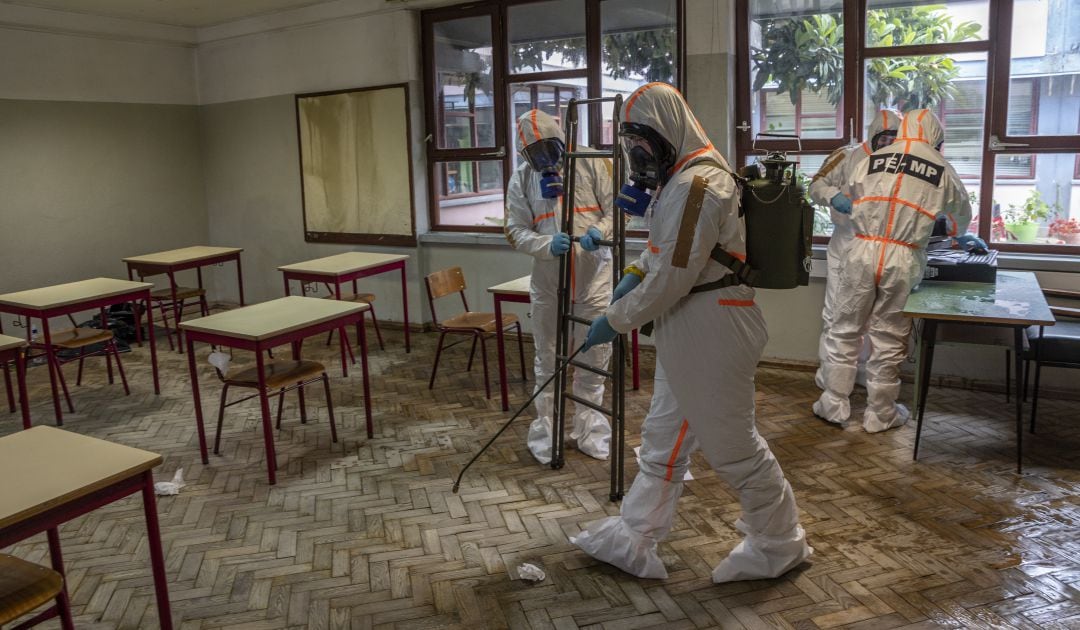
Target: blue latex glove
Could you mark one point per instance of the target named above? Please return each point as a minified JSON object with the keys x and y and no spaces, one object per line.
{"x":600,"y":332}
{"x":560,"y":244}
{"x":628,"y":283}
{"x":969,"y":242}
{"x":841,"y":203}
{"x":589,"y":241}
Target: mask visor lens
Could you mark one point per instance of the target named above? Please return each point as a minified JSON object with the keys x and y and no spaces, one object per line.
{"x":544,"y":154}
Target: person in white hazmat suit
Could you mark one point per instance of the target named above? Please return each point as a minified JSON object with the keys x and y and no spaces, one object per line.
{"x":897,"y":194}
{"x":708,"y":345}
{"x":533,"y":210}
{"x":825,"y":190}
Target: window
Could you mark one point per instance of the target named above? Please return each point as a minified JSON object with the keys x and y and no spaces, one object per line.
{"x":487,"y":63}
{"x":1006,"y":85}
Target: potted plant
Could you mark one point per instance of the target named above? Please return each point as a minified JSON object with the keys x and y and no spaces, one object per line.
{"x":1067,"y":230}
{"x":1022,"y":220}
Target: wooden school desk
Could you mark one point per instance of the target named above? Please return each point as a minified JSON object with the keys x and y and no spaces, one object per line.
{"x":350,"y":267}
{"x":53,"y":476}
{"x":12,"y":350}
{"x":73,"y":297}
{"x":517,"y":292}
{"x":257,"y":328}
{"x":1014,"y":301}
{"x":174,"y":260}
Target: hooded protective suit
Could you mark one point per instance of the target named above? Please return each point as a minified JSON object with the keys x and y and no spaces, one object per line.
{"x":531,"y":221}
{"x":898,"y":193}
{"x":708,"y":345}
{"x":830,"y":180}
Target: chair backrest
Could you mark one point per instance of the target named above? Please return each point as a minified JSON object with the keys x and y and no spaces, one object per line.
{"x":443,"y":283}
{"x":1063,"y":311}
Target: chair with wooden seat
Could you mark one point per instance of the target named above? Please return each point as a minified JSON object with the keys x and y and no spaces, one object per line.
{"x":281,"y":376}
{"x":477,"y":325}
{"x":25,"y":587}
{"x":1053,"y":346}
{"x":80,"y":340}
{"x":163,"y":300}
{"x":359,"y":298}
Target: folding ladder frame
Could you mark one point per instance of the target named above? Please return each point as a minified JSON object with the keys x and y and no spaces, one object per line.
{"x":567,"y":319}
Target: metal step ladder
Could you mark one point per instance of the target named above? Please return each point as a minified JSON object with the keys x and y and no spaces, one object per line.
{"x":567,"y":319}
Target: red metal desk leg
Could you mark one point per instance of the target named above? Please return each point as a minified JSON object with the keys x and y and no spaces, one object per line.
{"x":287,"y":290}
{"x":153,"y":344}
{"x":268,"y":429}
{"x":56,"y":557}
{"x":405,"y":306}
{"x":20,"y":380}
{"x":50,"y":359}
{"x":193,"y":372}
{"x":364,"y":369}
{"x":342,"y":337}
{"x":634,"y":368}
{"x":502,"y":352}
{"x":176,"y":313}
{"x":157,"y":558}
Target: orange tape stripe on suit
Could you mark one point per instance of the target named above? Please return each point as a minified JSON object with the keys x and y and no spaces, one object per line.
{"x":675,"y":450}
{"x":903,"y":202}
{"x":890,"y":241}
{"x":735,"y":302}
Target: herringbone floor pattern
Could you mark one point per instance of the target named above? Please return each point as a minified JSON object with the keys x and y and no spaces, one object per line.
{"x":366,"y":533}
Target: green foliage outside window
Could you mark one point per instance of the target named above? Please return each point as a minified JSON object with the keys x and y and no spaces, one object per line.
{"x":808,"y":54}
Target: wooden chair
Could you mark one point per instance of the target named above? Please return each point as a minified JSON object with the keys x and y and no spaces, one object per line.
{"x":477,"y":325}
{"x":360,"y":298}
{"x":281,"y":376}
{"x":25,"y":586}
{"x":162,"y":299}
{"x":80,"y":340}
{"x":1053,"y":346}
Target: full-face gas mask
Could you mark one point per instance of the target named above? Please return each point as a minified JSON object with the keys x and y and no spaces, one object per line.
{"x":544,"y":156}
{"x":649,"y":158}
{"x":883,"y":139}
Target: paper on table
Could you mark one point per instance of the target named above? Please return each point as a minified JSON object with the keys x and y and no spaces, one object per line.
{"x":686,"y":477}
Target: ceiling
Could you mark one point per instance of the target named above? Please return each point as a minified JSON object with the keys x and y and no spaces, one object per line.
{"x":189,"y":13}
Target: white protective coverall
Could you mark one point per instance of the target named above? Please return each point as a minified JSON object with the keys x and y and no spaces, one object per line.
{"x":531,"y":221}
{"x":708,"y":345}
{"x":898,"y":193}
{"x":829,"y":181}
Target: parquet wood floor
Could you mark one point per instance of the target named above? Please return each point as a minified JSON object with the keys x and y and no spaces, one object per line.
{"x":366,"y":534}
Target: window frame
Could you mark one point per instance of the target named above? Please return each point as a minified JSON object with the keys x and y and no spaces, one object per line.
{"x":502,"y":79}
{"x":997,"y":47}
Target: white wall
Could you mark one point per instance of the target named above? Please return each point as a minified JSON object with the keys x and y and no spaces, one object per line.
{"x":99,"y":151}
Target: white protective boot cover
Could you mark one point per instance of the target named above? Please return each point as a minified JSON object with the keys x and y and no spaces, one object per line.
{"x":629,"y":541}
{"x":882,"y":411}
{"x":766,"y":554}
{"x":539,"y":440}
{"x":834,"y":404}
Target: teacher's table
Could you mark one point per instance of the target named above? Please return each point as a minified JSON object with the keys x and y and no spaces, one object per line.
{"x":258,"y":328}
{"x":1014,"y":301}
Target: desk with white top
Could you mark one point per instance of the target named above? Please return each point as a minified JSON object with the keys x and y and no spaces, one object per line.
{"x":260,"y":327}
{"x":72,"y":297}
{"x":53,"y":476}
{"x":350,"y":267}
